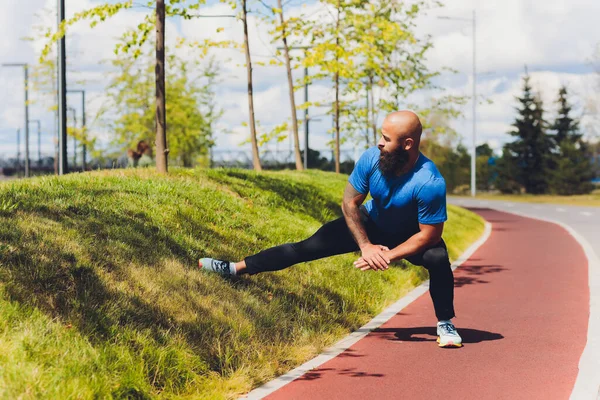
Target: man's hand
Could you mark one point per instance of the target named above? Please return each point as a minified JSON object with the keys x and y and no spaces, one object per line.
{"x":373,"y":257}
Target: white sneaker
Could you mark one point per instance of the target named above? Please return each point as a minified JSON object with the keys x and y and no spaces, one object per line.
{"x":224,"y":268}
{"x":447,"y":335}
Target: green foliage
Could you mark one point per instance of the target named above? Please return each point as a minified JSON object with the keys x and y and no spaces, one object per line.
{"x":132,"y":42}
{"x":573,"y":172}
{"x":100,"y":296}
{"x":191,"y":108}
{"x":373,"y":48}
{"x":508,"y":173}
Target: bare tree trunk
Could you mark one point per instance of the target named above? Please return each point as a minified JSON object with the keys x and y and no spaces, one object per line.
{"x":373,"y":113}
{"x":162,"y":151}
{"x":337,"y":94}
{"x":255,"y":155}
{"x":299,"y":165}
{"x":367,"y":124}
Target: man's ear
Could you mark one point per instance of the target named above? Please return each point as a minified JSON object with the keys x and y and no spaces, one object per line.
{"x":409,"y":143}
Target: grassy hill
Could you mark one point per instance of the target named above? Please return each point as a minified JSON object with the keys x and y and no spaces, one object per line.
{"x":100,"y":296}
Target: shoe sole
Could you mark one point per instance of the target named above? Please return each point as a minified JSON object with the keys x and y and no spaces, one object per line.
{"x":449,"y":344}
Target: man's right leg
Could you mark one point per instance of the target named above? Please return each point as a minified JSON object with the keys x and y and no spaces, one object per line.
{"x":332,"y":238}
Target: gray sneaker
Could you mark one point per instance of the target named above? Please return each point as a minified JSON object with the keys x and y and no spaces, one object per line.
{"x":224,"y":268}
{"x":447,"y":335}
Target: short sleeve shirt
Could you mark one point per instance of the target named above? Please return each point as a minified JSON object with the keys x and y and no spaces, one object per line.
{"x":400,"y":203}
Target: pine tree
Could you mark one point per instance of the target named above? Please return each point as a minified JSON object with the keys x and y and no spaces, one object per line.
{"x":564,"y":126}
{"x":572,"y":172}
{"x":530,"y":152}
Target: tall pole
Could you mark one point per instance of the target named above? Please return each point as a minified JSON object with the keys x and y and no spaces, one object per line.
{"x":305,"y":116}
{"x":474,"y":144}
{"x":474,"y":149}
{"x":26,"y":72}
{"x":27,"y":171}
{"x":83,"y":132}
{"x":63,"y":166}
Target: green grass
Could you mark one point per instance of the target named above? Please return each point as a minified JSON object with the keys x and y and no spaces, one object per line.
{"x":589,"y":200}
{"x":100,"y":297}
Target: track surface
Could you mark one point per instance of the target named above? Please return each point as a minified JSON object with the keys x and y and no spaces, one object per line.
{"x":522,"y":304}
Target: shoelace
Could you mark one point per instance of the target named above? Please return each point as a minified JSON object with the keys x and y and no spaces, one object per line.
{"x":448,"y":329}
{"x":221,"y":266}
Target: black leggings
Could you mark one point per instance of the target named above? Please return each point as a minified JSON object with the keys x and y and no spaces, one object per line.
{"x":335,"y":238}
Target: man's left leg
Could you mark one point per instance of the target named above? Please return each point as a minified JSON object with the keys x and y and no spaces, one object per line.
{"x":441,"y":288}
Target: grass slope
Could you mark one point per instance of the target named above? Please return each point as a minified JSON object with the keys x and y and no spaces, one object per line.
{"x":100,"y":298}
{"x":586,"y":200}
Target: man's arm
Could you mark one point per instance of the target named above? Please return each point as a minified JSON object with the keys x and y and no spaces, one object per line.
{"x":372,"y":254}
{"x":428,"y":236}
{"x":351,"y":209}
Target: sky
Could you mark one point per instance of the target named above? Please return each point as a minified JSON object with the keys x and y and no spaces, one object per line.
{"x":556,"y":39}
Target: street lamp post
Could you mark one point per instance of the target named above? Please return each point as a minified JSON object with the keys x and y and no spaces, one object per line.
{"x":84,"y":148}
{"x":63,"y":165}
{"x":473,"y":20}
{"x":26,"y":71}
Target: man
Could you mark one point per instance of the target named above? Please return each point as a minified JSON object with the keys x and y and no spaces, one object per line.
{"x":404,"y":220}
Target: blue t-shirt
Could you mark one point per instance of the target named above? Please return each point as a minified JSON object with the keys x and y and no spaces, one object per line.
{"x":400,"y":203}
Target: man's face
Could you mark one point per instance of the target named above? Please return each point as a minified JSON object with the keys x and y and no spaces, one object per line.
{"x":394,"y":154}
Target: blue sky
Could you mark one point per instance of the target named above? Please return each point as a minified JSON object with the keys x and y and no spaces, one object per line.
{"x":556,"y":39}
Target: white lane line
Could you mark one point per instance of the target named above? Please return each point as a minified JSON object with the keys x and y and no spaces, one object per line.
{"x":586,"y":213}
{"x":561,"y":209}
{"x":509,"y":204}
{"x":355,"y":336}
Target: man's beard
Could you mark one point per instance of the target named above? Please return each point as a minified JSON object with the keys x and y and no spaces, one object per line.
{"x":392,"y":163}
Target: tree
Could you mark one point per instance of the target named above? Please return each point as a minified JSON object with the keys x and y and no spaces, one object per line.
{"x":484,"y":150}
{"x":190,"y":112}
{"x":162,"y":151}
{"x":485,"y":166}
{"x":507,"y":181}
{"x":133,"y":43}
{"x":573,"y":170}
{"x":531,"y":150}
{"x":364,"y":47}
{"x":255,"y":155}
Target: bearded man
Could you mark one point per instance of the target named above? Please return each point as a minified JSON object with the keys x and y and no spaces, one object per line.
{"x":404,"y":220}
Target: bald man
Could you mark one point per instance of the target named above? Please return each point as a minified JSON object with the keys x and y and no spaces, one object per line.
{"x":404,"y":220}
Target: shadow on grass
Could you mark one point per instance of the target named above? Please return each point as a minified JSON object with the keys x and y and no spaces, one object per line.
{"x":297,"y":197}
{"x":72,"y":284}
{"x":74,"y":261}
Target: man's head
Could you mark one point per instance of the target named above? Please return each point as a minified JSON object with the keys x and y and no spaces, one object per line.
{"x":399,"y":143}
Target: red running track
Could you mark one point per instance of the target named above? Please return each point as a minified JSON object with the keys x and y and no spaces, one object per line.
{"x":522,"y":305}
